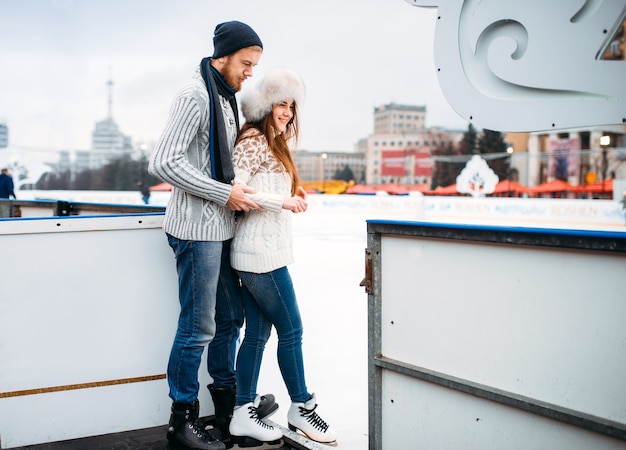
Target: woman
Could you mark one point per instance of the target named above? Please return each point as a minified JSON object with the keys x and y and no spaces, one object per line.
{"x":262,"y":249}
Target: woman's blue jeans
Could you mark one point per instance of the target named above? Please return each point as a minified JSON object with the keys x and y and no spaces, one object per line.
{"x":269,"y":299}
{"x":211,"y":312}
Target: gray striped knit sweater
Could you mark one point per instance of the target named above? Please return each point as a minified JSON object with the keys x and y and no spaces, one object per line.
{"x":196,"y":209}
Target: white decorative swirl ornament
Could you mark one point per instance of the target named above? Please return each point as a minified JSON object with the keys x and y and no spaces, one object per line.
{"x":530,"y":66}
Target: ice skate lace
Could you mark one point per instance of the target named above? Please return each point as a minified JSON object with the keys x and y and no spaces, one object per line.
{"x":255,"y":415}
{"x":312,"y":417}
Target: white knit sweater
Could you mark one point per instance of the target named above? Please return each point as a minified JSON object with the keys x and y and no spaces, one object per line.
{"x":197,"y":207}
{"x":263,"y":240}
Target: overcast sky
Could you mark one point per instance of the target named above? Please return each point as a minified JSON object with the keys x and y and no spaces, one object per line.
{"x":57,"y":55}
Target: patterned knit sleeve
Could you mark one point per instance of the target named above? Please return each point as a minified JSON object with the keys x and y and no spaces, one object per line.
{"x":248,"y":157}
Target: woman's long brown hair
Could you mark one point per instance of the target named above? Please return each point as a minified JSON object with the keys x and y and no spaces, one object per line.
{"x":279,"y":144}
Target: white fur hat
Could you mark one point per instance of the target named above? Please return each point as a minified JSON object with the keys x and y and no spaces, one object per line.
{"x":278,"y":85}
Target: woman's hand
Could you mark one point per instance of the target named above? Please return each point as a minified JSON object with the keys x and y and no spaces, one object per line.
{"x":300,"y":192}
{"x":295,"y":204}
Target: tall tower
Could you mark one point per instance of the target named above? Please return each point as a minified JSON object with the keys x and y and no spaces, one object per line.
{"x":110,"y":87}
{"x":106,"y":135}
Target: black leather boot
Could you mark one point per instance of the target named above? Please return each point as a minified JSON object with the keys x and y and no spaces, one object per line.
{"x":223,"y":402}
{"x":185,"y":433}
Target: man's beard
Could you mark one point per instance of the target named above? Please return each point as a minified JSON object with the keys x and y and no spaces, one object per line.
{"x":231,"y":79}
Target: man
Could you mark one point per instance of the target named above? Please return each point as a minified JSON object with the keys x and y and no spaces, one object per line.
{"x":6,"y":184}
{"x":145,"y":191}
{"x":194,"y":156}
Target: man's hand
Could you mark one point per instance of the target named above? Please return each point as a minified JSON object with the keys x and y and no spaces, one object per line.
{"x":239,"y":200}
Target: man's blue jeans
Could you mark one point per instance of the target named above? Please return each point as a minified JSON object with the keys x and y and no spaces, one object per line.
{"x":229,"y":320}
{"x":269,"y":299}
{"x":210,"y":312}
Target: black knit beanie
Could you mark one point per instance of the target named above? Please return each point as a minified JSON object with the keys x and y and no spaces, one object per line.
{"x":232,"y":36}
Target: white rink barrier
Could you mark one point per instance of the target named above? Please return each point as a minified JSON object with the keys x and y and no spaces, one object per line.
{"x":495,"y":337}
{"x":527,"y":212}
{"x":86,"y":324}
{"x":542,"y":212}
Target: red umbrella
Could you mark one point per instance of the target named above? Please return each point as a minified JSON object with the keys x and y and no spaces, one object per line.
{"x":394,"y":189}
{"x":423,"y":188}
{"x":360,"y":189}
{"x":506,"y":186}
{"x":446,"y":190}
{"x":161,"y":187}
{"x":552,"y":186}
{"x":598,"y":187}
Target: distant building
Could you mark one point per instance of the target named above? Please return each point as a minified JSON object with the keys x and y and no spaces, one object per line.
{"x":397,"y":152}
{"x":325,"y":165}
{"x":399,"y":119}
{"x":399,"y":149}
{"x":107,"y":141}
{"x":107,"y":136}
{"x":64,"y":163}
{"x":575,"y":155}
{"x":4,"y":135}
{"x":107,"y":144}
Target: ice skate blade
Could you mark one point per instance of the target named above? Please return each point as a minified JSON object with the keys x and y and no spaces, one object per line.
{"x":300,"y":440}
{"x":248,"y":443}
